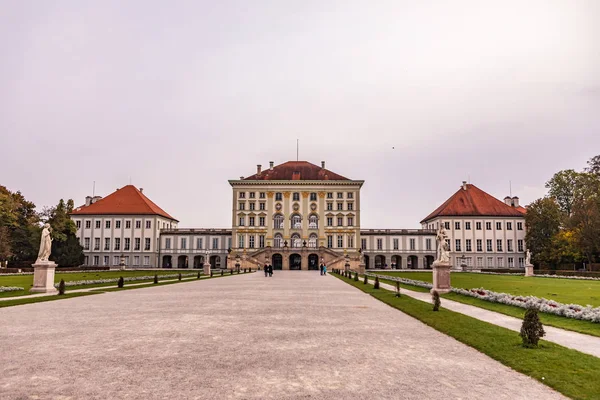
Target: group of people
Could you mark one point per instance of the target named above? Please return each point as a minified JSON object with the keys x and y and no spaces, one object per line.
{"x":323,"y":269}
{"x":268,"y":269}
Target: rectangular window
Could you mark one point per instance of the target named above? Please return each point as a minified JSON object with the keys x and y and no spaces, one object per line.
{"x":427,"y":244}
{"x":350,"y":195}
{"x":241,"y":205}
{"x":329,"y":206}
{"x":146,"y":261}
{"x":479,"y":245}
{"x":106,"y":261}
{"x":520,"y":246}
{"x":329,"y":195}
{"x":242,"y":195}
{"x":78,"y":223}
{"x":350,"y":221}
{"x":183,"y":243}
{"x":468,"y":245}
{"x":379,"y":244}
{"x":457,"y":226}
{"x":340,"y":206}
{"x":521,"y":262}
{"x":126,"y":260}
{"x":96,"y":260}
{"x":412,"y":244}
{"x":500,"y":262}
{"x":199,"y":243}
{"x":136,"y":260}
{"x":478,"y":227}
{"x":350,"y":241}
{"x":396,"y":244}
{"x":329,"y":221}
{"x":296,"y":196}
{"x":117,"y":243}
{"x":480,"y":262}
{"x":340,"y":221}
{"x":446,"y":225}
{"x":127,"y":224}
{"x":241,"y":241}
{"x":251,"y":194}
{"x":488,"y":226}
{"x":215,"y":243}
{"x":509,"y":245}
{"x":261,"y":206}
{"x":490,"y":262}
{"x":499,"y":245}
{"x":261,"y":241}
{"x":86,"y":243}
{"x":107,"y":225}
{"x":252,"y":206}
{"x":138,"y":224}
{"x":488,"y":245}
{"x":511,"y":262}
{"x":313,"y":197}
{"x":168,"y":243}
{"x":127,"y":244}
{"x":509,"y":226}
{"x":97,"y":224}
{"x":261,"y":195}
{"x":106,"y":243}
{"x":118,"y":224}
{"x":148,"y":224}
{"x":363,"y":244}
{"x":329,"y":241}
{"x":251,"y":221}
{"x":448,"y":243}
{"x":457,"y":245}
{"x":498,"y":226}
{"x":468,"y":226}
{"x":96,"y":243}
{"x":519,"y":226}
{"x":229,"y":243}
{"x":147,"y":244}
{"x":350,"y":206}
{"x":137,"y":243}
{"x":261,"y":221}
{"x":251,"y":241}
{"x":340,"y":241}
{"x":278,"y":196}
{"x":116,"y":260}
{"x":242,"y":221}
{"x":88,"y":224}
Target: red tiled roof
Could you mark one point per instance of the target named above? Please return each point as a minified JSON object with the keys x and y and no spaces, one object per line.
{"x":297,"y":171}
{"x":474,"y":202}
{"x":127,"y":200}
{"x":522,"y":209}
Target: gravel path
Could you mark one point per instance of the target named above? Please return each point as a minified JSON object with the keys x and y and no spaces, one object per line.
{"x":294,"y":336}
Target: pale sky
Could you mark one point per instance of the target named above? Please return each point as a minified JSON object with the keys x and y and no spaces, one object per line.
{"x":411,"y":96}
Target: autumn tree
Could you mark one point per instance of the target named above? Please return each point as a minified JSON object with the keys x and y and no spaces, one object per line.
{"x":543,"y":221}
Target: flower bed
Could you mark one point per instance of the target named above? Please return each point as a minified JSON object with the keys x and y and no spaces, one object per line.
{"x":412,"y":282}
{"x":10,"y":289}
{"x":583,"y":278}
{"x":128,"y":279}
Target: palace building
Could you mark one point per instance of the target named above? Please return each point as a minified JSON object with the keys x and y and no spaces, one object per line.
{"x":295,"y":215}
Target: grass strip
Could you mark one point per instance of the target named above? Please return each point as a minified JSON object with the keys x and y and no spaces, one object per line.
{"x":568,"y":371}
{"x":30,"y":300}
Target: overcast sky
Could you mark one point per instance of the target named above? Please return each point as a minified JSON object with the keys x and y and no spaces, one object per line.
{"x":411,"y":96}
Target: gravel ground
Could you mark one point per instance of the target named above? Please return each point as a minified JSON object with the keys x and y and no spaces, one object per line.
{"x":297,"y":335}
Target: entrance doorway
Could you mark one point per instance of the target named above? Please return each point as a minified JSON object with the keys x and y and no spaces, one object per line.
{"x":167,"y":262}
{"x":295,"y":262}
{"x":313,"y":262}
{"x":277,"y":261}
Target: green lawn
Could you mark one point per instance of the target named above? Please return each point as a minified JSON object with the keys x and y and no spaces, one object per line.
{"x":568,"y":371}
{"x":26,"y":281}
{"x":582,"y":292}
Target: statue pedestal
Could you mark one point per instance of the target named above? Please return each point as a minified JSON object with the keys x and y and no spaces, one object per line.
{"x":441,"y":277}
{"x":43,"y":277}
{"x":206,"y":269}
{"x":529,"y":270}
{"x":362,"y":268}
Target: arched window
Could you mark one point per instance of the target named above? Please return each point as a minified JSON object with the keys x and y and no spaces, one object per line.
{"x":278,"y":240}
{"x":296,"y":221}
{"x":296,"y":240}
{"x":313,"y":222}
{"x":278,"y":221}
{"x":312,"y":240}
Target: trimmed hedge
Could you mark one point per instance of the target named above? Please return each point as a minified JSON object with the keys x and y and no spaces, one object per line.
{"x":587,"y":274}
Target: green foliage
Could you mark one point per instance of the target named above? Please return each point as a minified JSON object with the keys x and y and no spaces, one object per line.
{"x":61,"y":287}
{"x":120,"y":282}
{"x":221,"y":272}
{"x":376,"y":284}
{"x":211,"y":273}
{"x":563,"y":188}
{"x":155,"y":279}
{"x":356,"y":277}
{"x":19,"y":227}
{"x":366,"y":280}
{"x":397,"y":289}
{"x":179,"y":276}
{"x":198,"y":275}
{"x":436,"y":300}
{"x":531,"y":329}
{"x":543,"y":222}
{"x":66,"y":250}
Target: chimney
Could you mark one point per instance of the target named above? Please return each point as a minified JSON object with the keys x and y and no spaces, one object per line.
{"x":95,"y":199}
{"x":271,"y":165}
{"x":464,"y":185}
{"x":258,"y":169}
{"x":88,"y":200}
{"x":141,"y":190}
{"x":323,"y":164}
{"x":508,"y":201}
{"x":241,"y":178}
{"x":515,"y":201}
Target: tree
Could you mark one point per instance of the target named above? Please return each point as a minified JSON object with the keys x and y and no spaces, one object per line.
{"x":585,"y":221}
{"x":565,"y":248}
{"x":19,"y":223}
{"x":593,"y":165}
{"x":543,"y":221}
{"x":66,"y":249}
{"x":531,"y":329}
{"x":563,"y":187}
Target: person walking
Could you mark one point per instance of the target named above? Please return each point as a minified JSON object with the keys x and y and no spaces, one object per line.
{"x":266,"y":269}
{"x":324,"y":269}
{"x":270,"y":270}
{"x":321,"y":268}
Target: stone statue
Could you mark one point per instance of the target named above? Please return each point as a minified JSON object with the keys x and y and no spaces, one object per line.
{"x":528,"y":258}
{"x":443,"y":252}
{"x":45,"y":244}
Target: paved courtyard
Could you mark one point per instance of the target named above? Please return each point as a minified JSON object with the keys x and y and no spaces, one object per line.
{"x":294,"y":336}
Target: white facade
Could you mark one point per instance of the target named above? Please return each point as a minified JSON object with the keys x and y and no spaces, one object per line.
{"x":191,"y":248}
{"x":398,"y":248}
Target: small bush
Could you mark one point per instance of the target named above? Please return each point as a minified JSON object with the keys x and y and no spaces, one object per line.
{"x":222,"y":273}
{"x":366,"y":280}
{"x":120,"y":282}
{"x":198,"y":275}
{"x":179,"y":276}
{"x":156,"y":278}
{"x":61,"y":287}
{"x":436,"y":300}
{"x":376,"y":285}
{"x":211,"y":274}
{"x":397,"y":289}
{"x":356,"y":277}
{"x":532,"y":329}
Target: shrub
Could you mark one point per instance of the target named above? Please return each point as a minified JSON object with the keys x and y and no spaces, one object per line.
{"x":376,"y":285}
{"x":120,"y":282}
{"x":397,"y":289}
{"x":366,"y":280}
{"x":356,"y":277}
{"x":532,"y":329}
{"x":61,"y":287}
{"x":179,"y":276}
{"x":222,"y":273}
{"x":198,"y":275}
{"x":436,"y":300}
{"x":211,"y":274}
{"x":156,"y":278}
